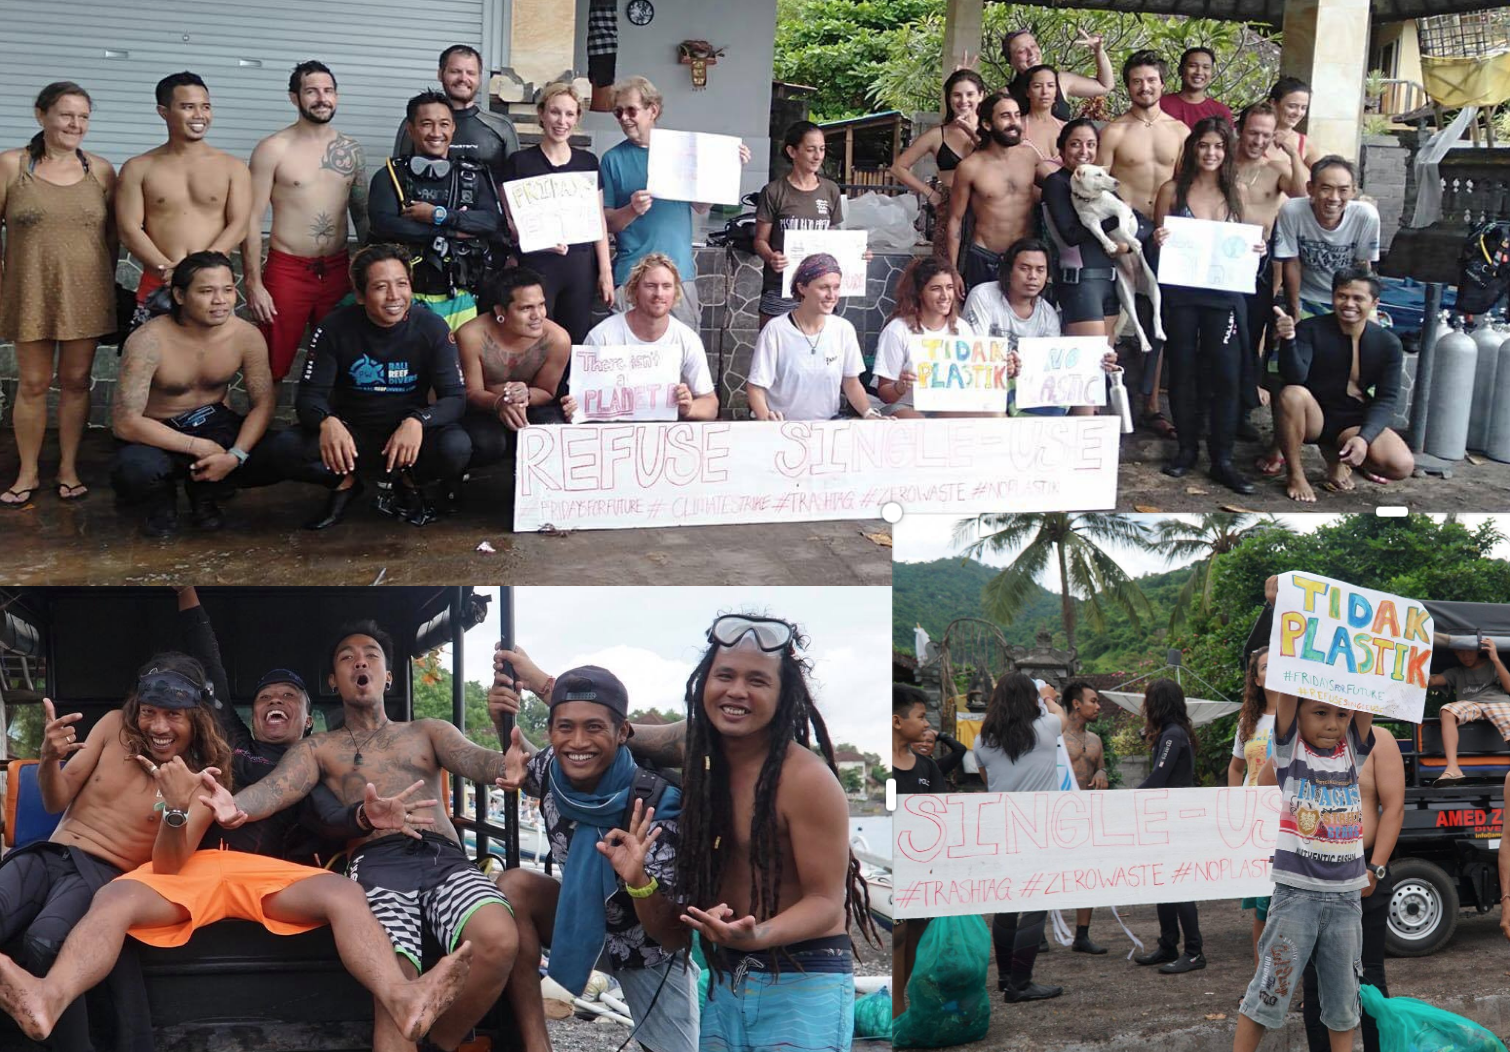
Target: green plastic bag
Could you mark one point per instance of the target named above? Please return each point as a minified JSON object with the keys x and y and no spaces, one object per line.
{"x":947,"y":1002}
{"x":1408,"y":1025}
{"x":873,"y":1015}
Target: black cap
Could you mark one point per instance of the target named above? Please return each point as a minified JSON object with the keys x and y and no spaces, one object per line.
{"x":280,"y":675}
{"x":591,"y":683}
{"x":167,"y":689}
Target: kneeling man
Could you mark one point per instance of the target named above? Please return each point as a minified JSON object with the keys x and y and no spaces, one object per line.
{"x":1342,"y":389}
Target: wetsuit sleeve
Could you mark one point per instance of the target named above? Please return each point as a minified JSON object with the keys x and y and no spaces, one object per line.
{"x":312,"y":404}
{"x":1056,"y":195}
{"x":383,"y":213}
{"x":200,"y":643}
{"x":445,"y":379}
{"x":323,"y":814}
{"x":956,"y":754}
{"x":485,"y":219}
{"x":1172,"y":744}
{"x":1381,"y":410}
{"x":1295,"y":355}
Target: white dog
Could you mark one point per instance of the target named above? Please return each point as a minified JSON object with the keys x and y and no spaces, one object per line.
{"x":1094,"y":193}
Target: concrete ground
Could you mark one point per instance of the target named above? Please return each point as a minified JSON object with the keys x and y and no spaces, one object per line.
{"x":1110,"y":1004}
{"x":93,"y":542}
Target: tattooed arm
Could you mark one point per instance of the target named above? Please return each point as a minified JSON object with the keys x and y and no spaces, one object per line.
{"x":296,"y":774}
{"x":461,"y":757}
{"x":664,"y":746}
{"x":356,"y":202}
{"x":139,"y":364}
{"x":257,"y":377}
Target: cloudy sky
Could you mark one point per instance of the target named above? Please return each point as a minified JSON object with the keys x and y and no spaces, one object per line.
{"x":651,"y":638}
{"x":924,"y":538}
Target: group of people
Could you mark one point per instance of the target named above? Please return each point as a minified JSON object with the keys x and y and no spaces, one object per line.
{"x":177,"y":814}
{"x":1005,"y":191}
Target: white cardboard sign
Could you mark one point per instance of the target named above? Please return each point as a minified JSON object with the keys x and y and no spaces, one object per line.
{"x":561,"y":208}
{"x":625,"y":383}
{"x":960,"y":374}
{"x":972,"y":853}
{"x":847,"y":246}
{"x":1205,"y":254}
{"x":693,"y":166}
{"x":1060,"y":371}
{"x":627,"y":475}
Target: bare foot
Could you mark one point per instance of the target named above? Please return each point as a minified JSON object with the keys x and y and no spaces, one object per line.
{"x":1298,"y":489}
{"x":418,"y":1004}
{"x":22,"y":997}
{"x":1339,"y":477}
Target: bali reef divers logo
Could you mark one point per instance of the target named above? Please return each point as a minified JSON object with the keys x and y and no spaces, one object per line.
{"x":369,"y":374}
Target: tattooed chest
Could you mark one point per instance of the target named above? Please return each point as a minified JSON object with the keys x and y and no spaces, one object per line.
{"x":500,"y":365}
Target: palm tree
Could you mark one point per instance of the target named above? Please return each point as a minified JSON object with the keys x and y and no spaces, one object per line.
{"x":1072,"y":541}
{"x":1216,"y":534}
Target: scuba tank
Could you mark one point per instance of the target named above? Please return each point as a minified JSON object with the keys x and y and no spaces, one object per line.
{"x":1451,"y":395}
{"x":1498,"y":444}
{"x":1487,"y":339}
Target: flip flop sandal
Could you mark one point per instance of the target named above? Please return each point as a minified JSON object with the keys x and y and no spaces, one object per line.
{"x":1270,"y":467}
{"x":23,"y":499}
{"x":1332,"y":487}
{"x":1450,"y":779}
{"x":71,"y":493}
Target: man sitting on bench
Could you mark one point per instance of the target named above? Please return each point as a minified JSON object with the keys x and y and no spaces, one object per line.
{"x":1481,"y":685}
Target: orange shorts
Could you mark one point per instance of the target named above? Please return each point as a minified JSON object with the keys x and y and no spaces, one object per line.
{"x":220,"y":885}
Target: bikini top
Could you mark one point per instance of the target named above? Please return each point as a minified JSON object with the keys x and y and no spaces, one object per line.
{"x":947,"y":159}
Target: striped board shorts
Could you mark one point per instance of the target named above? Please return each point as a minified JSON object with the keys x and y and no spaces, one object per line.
{"x":1496,"y":712}
{"x":417,"y":885}
{"x":457,"y":310}
{"x":797,"y":997}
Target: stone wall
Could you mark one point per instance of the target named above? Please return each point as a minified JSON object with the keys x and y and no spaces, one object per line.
{"x":1383,"y":172}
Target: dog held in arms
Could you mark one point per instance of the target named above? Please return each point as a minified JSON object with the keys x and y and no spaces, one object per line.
{"x":1094,"y":193}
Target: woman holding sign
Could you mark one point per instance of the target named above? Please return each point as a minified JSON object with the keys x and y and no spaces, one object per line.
{"x":1206,"y":327}
{"x":799,"y":200}
{"x":807,"y":364}
{"x":927,"y":305}
{"x":571,"y":273}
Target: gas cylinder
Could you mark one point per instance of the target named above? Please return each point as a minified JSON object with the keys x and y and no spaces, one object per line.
{"x":1451,"y":395}
{"x":1487,"y":338}
{"x":1498,"y":445}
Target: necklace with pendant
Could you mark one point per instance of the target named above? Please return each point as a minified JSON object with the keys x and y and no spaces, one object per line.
{"x":812,"y":341}
{"x":356,"y":760}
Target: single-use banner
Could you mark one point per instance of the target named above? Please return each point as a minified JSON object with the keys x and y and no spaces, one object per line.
{"x":970,"y":853}
{"x":1350,"y":646}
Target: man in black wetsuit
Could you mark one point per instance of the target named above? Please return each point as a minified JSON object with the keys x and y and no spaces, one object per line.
{"x":481,"y":135}
{"x":1342,"y":389}
{"x":444,"y":208}
{"x":364,"y":401}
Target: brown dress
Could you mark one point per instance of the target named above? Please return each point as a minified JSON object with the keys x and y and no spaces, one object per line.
{"x":59,"y":279}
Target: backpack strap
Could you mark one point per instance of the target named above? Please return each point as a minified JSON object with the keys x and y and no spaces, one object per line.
{"x":649,"y":786}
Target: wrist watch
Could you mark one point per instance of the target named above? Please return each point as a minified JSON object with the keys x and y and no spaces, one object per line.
{"x":440,"y":215}
{"x":1379,"y":872}
{"x":175,"y":818}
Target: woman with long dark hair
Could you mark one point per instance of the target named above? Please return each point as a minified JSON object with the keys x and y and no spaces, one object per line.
{"x":1020,"y":48}
{"x":928,"y":301}
{"x":57,"y":284}
{"x":1167,"y":729}
{"x":1040,"y":127}
{"x":1206,"y":328}
{"x":802,"y":199}
{"x":948,"y":144}
{"x":1016,"y":751}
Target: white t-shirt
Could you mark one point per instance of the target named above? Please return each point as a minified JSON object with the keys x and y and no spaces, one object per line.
{"x":803,"y":376}
{"x":1256,"y":748}
{"x":614,"y":331}
{"x":893,"y":346}
{"x":1323,"y":252}
{"x":989,"y":314}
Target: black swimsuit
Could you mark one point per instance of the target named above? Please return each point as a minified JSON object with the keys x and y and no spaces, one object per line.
{"x":947,"y":159}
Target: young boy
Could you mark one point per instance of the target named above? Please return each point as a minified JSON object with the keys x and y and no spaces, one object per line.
{"x":1319,"y":869}
{"x":913,"y":771}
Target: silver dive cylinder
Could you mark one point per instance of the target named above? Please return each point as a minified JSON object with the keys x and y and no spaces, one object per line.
{"x":1451,"y":396}
{"x":1487,"y":338}
{"x":1498,"y":444}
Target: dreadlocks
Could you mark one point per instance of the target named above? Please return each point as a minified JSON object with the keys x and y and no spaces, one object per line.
{"x":707,"y":808}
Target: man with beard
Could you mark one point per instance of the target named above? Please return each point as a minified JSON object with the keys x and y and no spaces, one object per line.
{"x":1191,"y":103}
{"x":171,"y":412}
{"x":312,"y":175}
{"x":482,"y":136}
{"x":995,"y":184}
{"x":183,"y":196}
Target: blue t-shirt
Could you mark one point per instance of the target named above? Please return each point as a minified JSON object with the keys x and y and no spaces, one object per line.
{"x":666,"y":227}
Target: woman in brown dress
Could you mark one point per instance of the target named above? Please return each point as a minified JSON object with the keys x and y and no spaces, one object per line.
{"x":57,"y":282}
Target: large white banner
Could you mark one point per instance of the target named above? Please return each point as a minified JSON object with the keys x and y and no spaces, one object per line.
{"x":619,"y":476}
{"x":625,"y":383}
{"x":1060,"y":371}
{"x":1349,"y":646}
{"x":970,"y":853}
{"x":560,"y":208}
{"x":693,"y":166}
{"x":846,"y":246}
{"x":1205,"y":254}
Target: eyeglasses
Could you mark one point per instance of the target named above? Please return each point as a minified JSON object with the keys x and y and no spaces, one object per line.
{"x":770,"y":633}
{"x":620,"y":112}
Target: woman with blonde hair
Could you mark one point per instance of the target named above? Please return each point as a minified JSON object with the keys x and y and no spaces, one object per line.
{"x":572,"y":273}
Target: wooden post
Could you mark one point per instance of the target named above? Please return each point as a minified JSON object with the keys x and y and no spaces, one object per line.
{"x":963,"y":21}
{"x":849,"y":154}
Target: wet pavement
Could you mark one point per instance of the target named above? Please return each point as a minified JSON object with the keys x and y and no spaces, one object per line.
{"x":93,"y":542}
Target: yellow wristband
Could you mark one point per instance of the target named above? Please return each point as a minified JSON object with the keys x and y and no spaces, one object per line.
{"x":645,"y":892}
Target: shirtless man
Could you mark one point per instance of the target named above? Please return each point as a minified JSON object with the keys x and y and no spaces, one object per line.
{"x":170,"y":402}
{"x":1082,"y":706}
{"x":996,"y":185}
{"x":512,"y":358}
{"x":183,"y":196}
{"x":312,"y":175}
{"x":408,"y":885}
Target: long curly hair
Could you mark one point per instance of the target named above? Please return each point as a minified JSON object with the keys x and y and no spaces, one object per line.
{"x":1163,"y":704}
{"x":1254,"y":699}
{"x":1226,"y":176}
{"x":207,"y":748}
{"x":913,"y":280}
{"x":1008,"y":724}
{"x":707,"y":806}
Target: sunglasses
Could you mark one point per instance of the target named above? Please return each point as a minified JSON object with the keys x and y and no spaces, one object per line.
{"x":170,"y":689}
{"x":620,"y":112}
{"x":770,"y":633}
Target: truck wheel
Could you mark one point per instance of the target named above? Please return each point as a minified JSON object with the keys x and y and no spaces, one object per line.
{"x":1423,"y":910}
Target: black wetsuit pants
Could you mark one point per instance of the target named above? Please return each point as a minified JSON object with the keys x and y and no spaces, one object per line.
{"x":1016,"y":937}
{"x":143,"y":474}
{"x":295,"y":454}
{"x":493,"y":441}
{"x":1204,"y":354}
{"x":1173,"y":916}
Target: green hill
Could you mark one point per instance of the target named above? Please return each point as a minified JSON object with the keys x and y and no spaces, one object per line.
{"x":935,"y":593}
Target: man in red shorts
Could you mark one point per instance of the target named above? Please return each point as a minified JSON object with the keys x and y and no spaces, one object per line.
{"x":313,"y":176}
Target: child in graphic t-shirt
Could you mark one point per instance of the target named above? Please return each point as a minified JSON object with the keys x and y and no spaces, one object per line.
{"x":1319,"y":869}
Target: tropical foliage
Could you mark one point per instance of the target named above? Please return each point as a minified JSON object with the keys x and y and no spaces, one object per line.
{"x":1216,"y":534}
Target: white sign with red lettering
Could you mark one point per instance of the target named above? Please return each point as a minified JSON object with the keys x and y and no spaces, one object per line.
{"x":971,"y":853}
{"x":627,"y":475}
{"x":625,"y":383}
